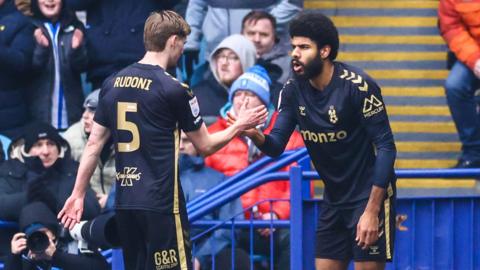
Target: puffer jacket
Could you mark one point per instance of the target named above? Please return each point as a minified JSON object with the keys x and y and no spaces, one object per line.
{"x":16,"y":48}
{"x":105,"y":172}
{"x":459,"y":22}
{"x":233,"y":158}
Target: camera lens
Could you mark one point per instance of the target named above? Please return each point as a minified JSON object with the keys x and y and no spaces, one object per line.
{"x":37,"y":242}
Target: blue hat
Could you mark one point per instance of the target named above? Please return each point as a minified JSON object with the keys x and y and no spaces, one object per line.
{"x":255,"y":80}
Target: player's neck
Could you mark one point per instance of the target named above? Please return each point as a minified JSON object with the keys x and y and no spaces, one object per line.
{"x":155,"y":59}
{"x":321,"y":81}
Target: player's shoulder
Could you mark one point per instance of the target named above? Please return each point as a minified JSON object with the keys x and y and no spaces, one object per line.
{"x":171,"y":83}
{"x":291,"y":85}
{"x":354,"y":77}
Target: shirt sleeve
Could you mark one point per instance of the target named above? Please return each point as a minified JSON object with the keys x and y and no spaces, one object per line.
{"x":276,"y":141}
{"x":185,"y":107}
{"x":368,"y":101}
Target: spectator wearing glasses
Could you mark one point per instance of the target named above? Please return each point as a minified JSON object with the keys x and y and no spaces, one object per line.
{"x":230,"y":59}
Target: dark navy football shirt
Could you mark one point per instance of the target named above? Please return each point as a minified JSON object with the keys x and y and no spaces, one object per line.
{"x":345,"y":129}
{"x":145,"y":108}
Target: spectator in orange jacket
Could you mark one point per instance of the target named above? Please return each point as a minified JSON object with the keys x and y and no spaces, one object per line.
{"x":459,"y":26}
{"x":253,"y":87}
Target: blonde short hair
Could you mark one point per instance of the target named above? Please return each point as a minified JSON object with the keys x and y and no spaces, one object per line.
{"x":160,"y":26}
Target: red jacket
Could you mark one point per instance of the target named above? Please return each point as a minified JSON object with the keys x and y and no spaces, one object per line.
{"x":460,"y":27}
{"x":233,"y":158}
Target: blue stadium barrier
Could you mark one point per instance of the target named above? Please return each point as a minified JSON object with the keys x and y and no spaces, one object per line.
{"x":440,"y":232}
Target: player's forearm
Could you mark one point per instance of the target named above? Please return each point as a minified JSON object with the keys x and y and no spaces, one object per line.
{"x":377,"y":195}
{"x":88,"y":163}
{"x":218,"y":140}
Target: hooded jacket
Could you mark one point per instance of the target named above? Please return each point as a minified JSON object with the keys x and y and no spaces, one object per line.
{"x":459,"y":22}
{"x":212,"y":94}
{"x":279,"y":57}
{"x":71,"y":63}
{"x":234,"y":157}
{"x":59,"y":179}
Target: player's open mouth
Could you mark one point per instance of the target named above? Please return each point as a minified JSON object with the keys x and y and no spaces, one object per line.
{"x":297,"y":67}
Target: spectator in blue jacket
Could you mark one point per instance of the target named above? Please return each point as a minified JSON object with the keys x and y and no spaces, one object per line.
{"x":115,"y":33}
{"x":196,"y":180}
{"x":16,"y":48}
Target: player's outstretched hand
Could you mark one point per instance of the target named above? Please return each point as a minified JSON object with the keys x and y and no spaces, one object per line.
{"x":246,"y":133}
{"x":250,"y":118}
{"x":367,"y":230}
{"x":72,"y":211}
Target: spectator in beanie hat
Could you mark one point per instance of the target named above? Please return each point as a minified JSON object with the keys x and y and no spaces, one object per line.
{"x":39,"y":168}
{"x":253,"y":87}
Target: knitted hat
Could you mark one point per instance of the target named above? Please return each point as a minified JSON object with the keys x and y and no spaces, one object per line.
{"x":37,"y":215}
{"x":91,"y":101}
{"x":255,"y":80}
{"x":40,"y":131}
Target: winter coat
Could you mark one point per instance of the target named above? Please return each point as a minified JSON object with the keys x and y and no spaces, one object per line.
{"x":16,"y":48}
{"x":459,"y":23}
{"x":212,"y":94}
{"x":234,"y":157}
{"x":72,"y":63}
{"x":59,"y":180}
{"x":115,"y":33}
{"x":105,"y":171}
{"x":197,"y":179}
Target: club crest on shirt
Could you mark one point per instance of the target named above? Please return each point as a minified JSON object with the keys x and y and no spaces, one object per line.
{"x":333,"y":115}
{"x":194,"y":106}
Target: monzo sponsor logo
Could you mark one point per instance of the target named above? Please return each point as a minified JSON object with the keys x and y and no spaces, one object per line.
{"x":323,"y":137}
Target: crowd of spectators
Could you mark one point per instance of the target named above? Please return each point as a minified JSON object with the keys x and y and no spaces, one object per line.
{"x":50,"y":61}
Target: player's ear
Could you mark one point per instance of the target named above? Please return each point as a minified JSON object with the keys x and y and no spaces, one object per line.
{"x":171,"y":41}
{"x":325,"y":51}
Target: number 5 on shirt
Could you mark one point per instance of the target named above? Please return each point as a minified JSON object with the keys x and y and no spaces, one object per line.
{"x":123,"y":124}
